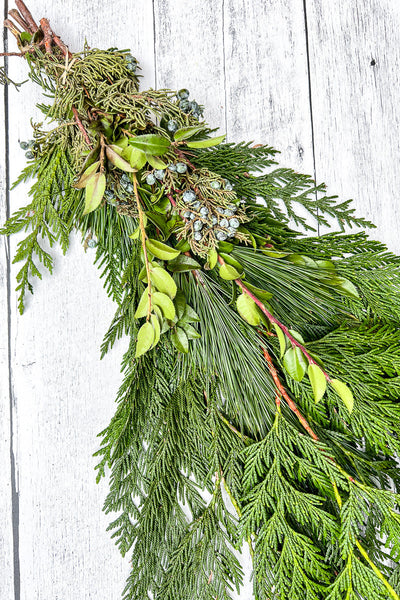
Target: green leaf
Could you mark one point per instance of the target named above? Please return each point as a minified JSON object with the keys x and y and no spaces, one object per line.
{"x":183,"y":245}
{"x":113,"y":155}
{"x":122,"y":142}
{"x":166,"y":305}
{"x":345,"y":286}
{"x":163,"y":281}
{"x":180,"y":304}
{"x":137,"y":158}
{"x":183,"y":263}
{"x":180,"y":340}
{"x":189,"y":316}
{"x":248,"y":310}
{"x":186,"y":132}
{"x":327,"y":265}
{"x":150,"y":143}
{"x":136,"y":234}
{"x":281,"y":338}
{"x":228,"y":272}
{"x":212,"y":258}
{"x":318,"y":381}
{"x":226,"y":247}
{"x":161,"y":250}
{"x":232,"y":261}
{"x":191,"y":332}
{"x":207,"y":143}
{"x":297,"y":336}
{"x":145,"y":339}
{"x":87,"y":175}
{"x":262,"y":295}
{"x":143,"y":306}
{"x":344,"y":392}
{"x":295,"y":363}
{"x":155,"y":162}
{"x":94,"y":192}
{"x":157,"y":329}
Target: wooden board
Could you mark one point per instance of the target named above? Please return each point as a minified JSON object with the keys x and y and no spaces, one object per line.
{"x":247,"y":62}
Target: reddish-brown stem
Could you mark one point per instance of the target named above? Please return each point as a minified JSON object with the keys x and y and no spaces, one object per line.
{"x":171,"y":199}
{"x":81,"y":127}
{"x":12,"y":27}
{"x":18,"y":19}
{"x":48,"y":34}
{"x":273,"y":319}
{"x":26,"y":14}
{"x":182,"y":155}
{"x":11,"y":54}
{"x":285,"y":395}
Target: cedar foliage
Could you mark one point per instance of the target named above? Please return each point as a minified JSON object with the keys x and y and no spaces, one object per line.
{"x":262,"y":364}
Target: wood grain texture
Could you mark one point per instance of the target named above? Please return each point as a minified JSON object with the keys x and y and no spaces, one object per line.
{"x":246,"y":61}
{"x":6,"y":479}
{"x":354,"y":59}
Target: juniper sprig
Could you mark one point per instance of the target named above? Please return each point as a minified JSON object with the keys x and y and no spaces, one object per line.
{"x":263,"y":364}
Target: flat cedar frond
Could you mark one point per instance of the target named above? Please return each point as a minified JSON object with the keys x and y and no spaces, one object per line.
{"x":260,"y":396}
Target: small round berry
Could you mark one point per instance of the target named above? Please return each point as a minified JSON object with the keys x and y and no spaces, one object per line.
{"x":186,"y":214}
{"x":24,"y":145}
{"x":29,"y":155}
{"x":221,"y":210}
{"x":131,"y":67}
{"x":31,"y":143}
{"x":228,"y":187}
{"x":224,"y":223}
{"x":232,"y":207}
{"x":129,"y":188}
{"x":92,"y":243}
{"x":204,"y":211}
{"x":181,"y":167}
{"x":195,"y":108}
{"x":189,"y":196}
{"x":184,"y":105}
{"x":196,"y":205}
{"x":234,"y":223}
{"x":172,"y":126}
{"x":221,"y":236}
{"x":196,"y":115}
{"x":183,"y":94}
{"x":159,"y":174}
{"x":192,"y":216}
{"x":197,"y":225}
{"x":215,"y":185}
{"x":172,"y":167}
{"x":125,"y":177}
{"x":197,"y":236}
{"x":228,"y":213}
{"x":109,"y":194}
{"x":231,"y":231}
{"x":214,"y":220}
{"x":150,"y":179}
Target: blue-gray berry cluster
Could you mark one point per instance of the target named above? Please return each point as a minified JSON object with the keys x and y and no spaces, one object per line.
{"x":188,"y":106}
{"x":29,"y":146}
{"x":132,"y":63}
{"x":207,"y":221}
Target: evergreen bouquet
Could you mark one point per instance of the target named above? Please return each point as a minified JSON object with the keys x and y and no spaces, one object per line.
{"x":260,"y":399}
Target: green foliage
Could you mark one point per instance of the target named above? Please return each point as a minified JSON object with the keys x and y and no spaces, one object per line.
{"x":262,"y":365}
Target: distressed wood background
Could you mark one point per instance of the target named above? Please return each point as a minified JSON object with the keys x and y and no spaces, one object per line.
{"x":318,"y":80}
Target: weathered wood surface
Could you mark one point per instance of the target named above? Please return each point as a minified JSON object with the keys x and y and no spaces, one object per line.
{"x":252,"y":64}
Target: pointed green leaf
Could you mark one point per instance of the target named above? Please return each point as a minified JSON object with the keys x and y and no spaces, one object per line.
{"x":157,"y":329}
{"x":248,"y":310}
{"x":345,"y":286}
{"x":189,"y":316}
{"x":145,"y":339}
{"x":161,"y":250}
{"x":152,"y":144}
{"x":297,"y":336}
{"x":186,"y":132}
{"x":281,"y":338}
{"x":183,"y":263}
{"x":226,"y":247}
{"x":180,"y":304}
{"x":137,"y":158}
{"x":207,"y":143}
{"x":232,"y":261}
{"x":318,"y":381}
{"x":165,"y":303}
{"x":183,"y":245}
{"x":212,"y":258}
{"x":155,"y":162}
{"x":228,"y":272}
{"x":143,"y":306}
{"x":122,"y":142}
{"x":191,"y":332}
{"x":163,"y":281}
{"x":180,"y":340}
{"x":262,"y":295}
{"x":94,"y":192}
{"x":295,"y":363}
{"x":87,"y":175}
{"x":344,"y":392}
{"x":113,"y":155}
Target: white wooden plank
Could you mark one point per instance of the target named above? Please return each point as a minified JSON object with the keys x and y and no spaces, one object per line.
{"x":6,"y":481}
{"x":267,"y":97}
{"x":354,"y":58}
{"x":64,"y":395}
{"x":189,"y":53}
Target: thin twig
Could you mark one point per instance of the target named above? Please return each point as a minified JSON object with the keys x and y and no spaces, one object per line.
{"x":26,"y":14}
{"x":81,"y":127}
